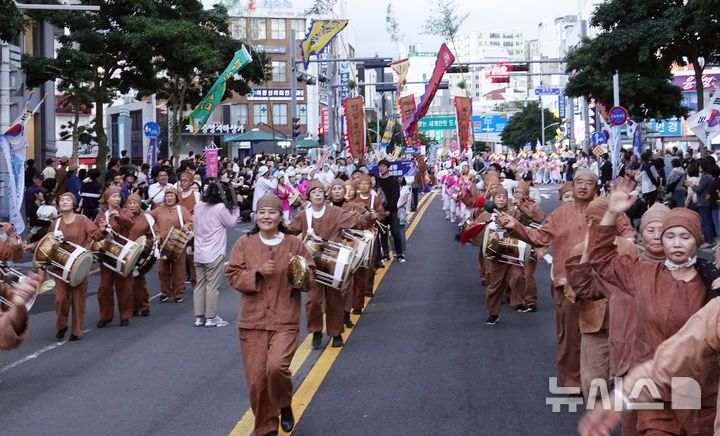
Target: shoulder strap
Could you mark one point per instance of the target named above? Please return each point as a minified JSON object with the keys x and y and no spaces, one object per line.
{"x":151,"y":221}
{"x":57,"y":223}
{"x":179,"y":212}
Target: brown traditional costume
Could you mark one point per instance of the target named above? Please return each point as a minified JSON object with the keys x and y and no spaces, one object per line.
{"x":269,"y":319}
{"x":172,"y":274}
{"x":331,"y":221}
{"x":110,"y":279}
{"x":80,"y":231}
{"x":140,"y":227}
{"x":189,"y":199}
{"x":11,"y":335}
{"x":663,"y":304}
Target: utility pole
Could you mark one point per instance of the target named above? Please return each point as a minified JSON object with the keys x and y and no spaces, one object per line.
{"x":4,"y":85}
{"x":293,"y":77}
{"x":542,"y":120}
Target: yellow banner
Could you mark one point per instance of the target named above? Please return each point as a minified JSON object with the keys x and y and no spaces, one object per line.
{"x":401,"y":68}
{"x":319,"y":36}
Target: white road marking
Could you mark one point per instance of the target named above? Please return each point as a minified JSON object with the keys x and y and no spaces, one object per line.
{"x":36,"y":354}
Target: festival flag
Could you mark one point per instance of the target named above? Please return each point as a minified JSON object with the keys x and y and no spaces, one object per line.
{"x":444,"y":60}
{"x":401,"y":68}
{"x":706,"y":123}
{"x":463,"y":113}
{"x":355,"y":117}
{"x":407,"y":108}
{"x":204,"y":109}
{"x":13,"y":144}
{"x":634,"y":131}
{"x":319,"y":35}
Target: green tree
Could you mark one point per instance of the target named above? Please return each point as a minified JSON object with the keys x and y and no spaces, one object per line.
{"x":12,"y":21}
{"x":646,"y":88}
{"x":97,"y":53}
{"x":526,"y":127}
{"x":445,"y":19}
{"x":192,"y":48}
{"x":637,"y":37}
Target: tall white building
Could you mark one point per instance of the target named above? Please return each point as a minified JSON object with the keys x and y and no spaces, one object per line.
{"x":489,"y":45}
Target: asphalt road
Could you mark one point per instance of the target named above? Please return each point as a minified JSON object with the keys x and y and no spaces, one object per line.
{"x":420,"y":361}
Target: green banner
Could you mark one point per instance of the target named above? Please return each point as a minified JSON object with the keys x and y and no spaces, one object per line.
{"x":204,"y":109}
{"x":437,"y":123}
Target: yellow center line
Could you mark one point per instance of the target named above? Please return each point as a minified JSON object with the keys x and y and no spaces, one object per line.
{"x":311,"y":383}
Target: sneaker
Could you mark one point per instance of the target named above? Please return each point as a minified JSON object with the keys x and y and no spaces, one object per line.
{"x":520,"y":308}
{"x":401,"y":258}
{"x":164,"y":299}
{"x":337,"y":342}
{"x":178,"y":300}
{"x":199,"y":321}
{"x":492,"y":320}
{"x":215,"y":322}
{"x":532,"y":308}
{"x":317,"y":340}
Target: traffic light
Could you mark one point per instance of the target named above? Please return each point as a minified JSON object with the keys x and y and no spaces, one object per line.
{"x":321,"y":135}
{"x":295,"y":127}
{"x":592,"y":118}
{"x":457,"y":69}
{"x":499,"y":79}
{"x":514,"y":68}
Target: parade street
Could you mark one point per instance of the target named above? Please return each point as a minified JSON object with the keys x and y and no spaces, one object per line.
{"x":420,"y":361}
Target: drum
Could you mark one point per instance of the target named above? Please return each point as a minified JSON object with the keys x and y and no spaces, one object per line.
{"x":360,"y":241}
{"x":368,"y":258}
{"x":62,"y":259}
{"x":174,"y":244}
{"x":332,"y":261}
{"x":118,"y":253}
{"x":148,"y":257}
{"x":504,"y":248}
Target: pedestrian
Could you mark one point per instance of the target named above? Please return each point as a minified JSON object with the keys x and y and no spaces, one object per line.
{"x":210,"y":246}
{"x":404,"y":205}
{"x":649,"y":180}
{"x":391,"y":188}
{"x":72,"y":184}
{"x":676,"y":184}
{"x":269,"y":332}
{"x":49,"y":171}
{"x":156,"y":191}
{"x":30,"y":172}
{"x":701,"y":191}
{"x":90,"y":194}
{"x":605,"y":172}
{"x":61,"y":177}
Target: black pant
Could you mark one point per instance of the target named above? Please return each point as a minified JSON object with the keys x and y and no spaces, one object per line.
{"x":650,"y":198}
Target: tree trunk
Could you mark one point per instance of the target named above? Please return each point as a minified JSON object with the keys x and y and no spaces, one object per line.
{"x":75,"y":135}
{"x":101,"y":160}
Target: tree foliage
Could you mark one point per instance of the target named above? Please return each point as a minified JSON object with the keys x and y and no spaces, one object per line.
{"x":647,"y":38}
{"x":172,"y":47}
{"x":444,"y":19}
{"x":12,"y":20}
{"x":392,"y":26}
{"x":526,"y":127}
{"x":192,"y":48}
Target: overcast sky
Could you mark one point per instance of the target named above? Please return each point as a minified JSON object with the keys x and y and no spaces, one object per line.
{"x":368,"y":19}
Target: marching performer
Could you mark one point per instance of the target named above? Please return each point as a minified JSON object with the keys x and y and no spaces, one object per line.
{"x":142,"y":225}
{"x":324,"y":221}
{"x":269,"y":319}
{"x":116,"y":220}
{"x":364,"y":278}
{"x":188,"y":199}
{"x":14,"y":318}
{"x":79,"y":230}
{"x":666,"y":295}
{"x":172,"y":274}
{"x":529,"y":212}
{"x":563,"y":229}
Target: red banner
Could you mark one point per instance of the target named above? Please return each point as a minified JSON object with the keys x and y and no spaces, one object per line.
{"x":444,"y":60}
{"x":355,"y":117}
{"x":407,"y":108}
{"x":463,"y":112}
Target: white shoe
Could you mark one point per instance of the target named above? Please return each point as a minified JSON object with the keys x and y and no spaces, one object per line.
{"x":215,"y":322}
{"x":199,"y":321}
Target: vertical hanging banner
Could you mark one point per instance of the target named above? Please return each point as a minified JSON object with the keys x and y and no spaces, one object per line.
{"x":407,"y":108}
{"x":212,"y":163}
{"x":318,"y":37}
{"x":463,"y":112}
{"x":634,"y":131}
{"x":13,"y":144}
{"x":355,"y":116}
{"x":204,"y":109}
{"x":444,"y":60}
